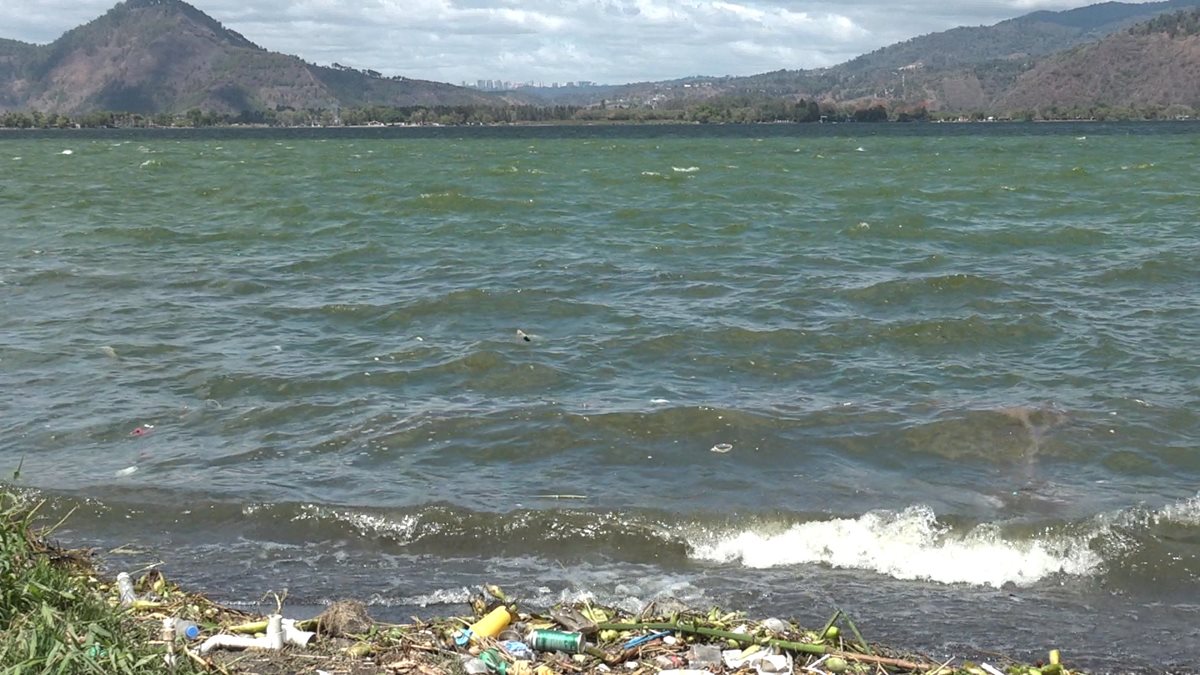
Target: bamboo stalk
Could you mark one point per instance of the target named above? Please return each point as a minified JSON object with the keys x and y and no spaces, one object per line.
{"x":854,"y":629}
{"x":713,"y":632}
{"x":781,"y":644}
{"x":252,"y":627}
{"x":829,"y":624}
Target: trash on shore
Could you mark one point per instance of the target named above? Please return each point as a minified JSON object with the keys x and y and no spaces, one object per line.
{"x":502,"y":638}
{"x":280,"y":632}
{"x":149,"y":621}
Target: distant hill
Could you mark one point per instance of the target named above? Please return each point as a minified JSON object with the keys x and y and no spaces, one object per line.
{"x":1153,"y":63}
{"x":165,"y":56}
{"x":151,"y":56}
{"x":966,"y":68}
{"x":15,"y":59}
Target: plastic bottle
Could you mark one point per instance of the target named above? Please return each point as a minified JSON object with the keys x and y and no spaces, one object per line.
{"x":489,"y":626}
{"x":125,"y":587}
{"x":186,"y":629}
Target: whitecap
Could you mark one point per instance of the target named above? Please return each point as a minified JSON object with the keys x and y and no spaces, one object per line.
{"x":911,"y":544}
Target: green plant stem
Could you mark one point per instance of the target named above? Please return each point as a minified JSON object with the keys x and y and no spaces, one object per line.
{"x":787,"y":645}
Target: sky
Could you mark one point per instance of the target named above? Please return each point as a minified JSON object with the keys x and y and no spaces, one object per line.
{"x":547,"y":41}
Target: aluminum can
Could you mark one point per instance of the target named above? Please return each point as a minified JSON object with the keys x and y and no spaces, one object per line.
{"x":556,"y":641}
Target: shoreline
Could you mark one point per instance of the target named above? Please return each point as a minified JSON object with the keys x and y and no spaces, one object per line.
{"x":666,"y":636}
{"x":594,"y":123}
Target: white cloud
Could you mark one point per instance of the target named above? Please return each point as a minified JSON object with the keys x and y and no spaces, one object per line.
{"x":561,"y":40}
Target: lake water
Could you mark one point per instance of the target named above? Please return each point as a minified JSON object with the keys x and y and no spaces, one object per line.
{"x":945,"y":377}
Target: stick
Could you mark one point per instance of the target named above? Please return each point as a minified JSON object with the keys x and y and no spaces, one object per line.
{"x":203,"y":663}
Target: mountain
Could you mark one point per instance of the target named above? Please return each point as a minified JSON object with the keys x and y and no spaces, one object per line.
{"x":150,"y":56}
{"x":15,"y":58}
{"x":961,"y":69}
{"x":1154,"y":63}
{"x":970,"y":68}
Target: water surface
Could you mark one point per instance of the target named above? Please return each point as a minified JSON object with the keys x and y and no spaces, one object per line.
{"x":953,"y":368}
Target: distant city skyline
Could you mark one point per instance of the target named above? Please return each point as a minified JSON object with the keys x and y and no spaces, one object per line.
{"x":600,"y":41}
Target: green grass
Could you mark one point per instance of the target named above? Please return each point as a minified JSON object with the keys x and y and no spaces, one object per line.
{"x":53,"y":618}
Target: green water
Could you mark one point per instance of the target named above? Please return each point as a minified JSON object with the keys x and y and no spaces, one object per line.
{"x":953,"y":367}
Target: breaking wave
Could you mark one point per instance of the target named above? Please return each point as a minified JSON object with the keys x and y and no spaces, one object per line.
{"x":915,"y":544}
{"x":912,"y":544}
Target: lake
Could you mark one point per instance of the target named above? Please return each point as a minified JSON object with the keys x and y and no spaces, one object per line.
{"x":944,"y":377}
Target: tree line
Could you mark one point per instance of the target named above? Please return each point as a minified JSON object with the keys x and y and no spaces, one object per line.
{"x":723,"y":110}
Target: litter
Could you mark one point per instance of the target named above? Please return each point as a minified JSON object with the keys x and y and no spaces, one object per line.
{"x":722,"y":448}
{"x":635,"y":642}
{"x":487,"y":627}
{"x":125,"y":589}
{"x":186,"y":629}
{"x":704,"y":656}
{"x":278,"y":634}
{"x":570,"y":638}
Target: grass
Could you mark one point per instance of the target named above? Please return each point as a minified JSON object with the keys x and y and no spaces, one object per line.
{"x":53,"y":616}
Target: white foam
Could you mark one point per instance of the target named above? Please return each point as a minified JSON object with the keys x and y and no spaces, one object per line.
{"x":441,"y":596}
{"x":1186,"y":512}
{"x":911,"y":544}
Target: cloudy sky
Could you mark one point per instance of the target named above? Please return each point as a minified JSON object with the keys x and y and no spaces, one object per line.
{"x":604,"y":41}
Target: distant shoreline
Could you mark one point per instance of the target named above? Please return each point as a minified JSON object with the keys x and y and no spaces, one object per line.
{"x":588,"y":123}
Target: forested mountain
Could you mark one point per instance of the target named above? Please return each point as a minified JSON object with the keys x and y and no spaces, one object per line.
{"x":150,"y":56}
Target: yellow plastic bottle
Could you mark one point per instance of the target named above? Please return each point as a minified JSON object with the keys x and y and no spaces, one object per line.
{"x":491,"y":624}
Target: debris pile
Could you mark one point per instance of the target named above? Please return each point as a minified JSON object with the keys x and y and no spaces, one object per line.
{"x":503,"y":638}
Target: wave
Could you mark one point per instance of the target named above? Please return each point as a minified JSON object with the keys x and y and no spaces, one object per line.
{"x":912,"y":544}
{"x":1138,"y":544}
{"x":960,"y":287}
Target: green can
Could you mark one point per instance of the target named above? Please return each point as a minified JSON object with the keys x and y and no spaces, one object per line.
{"x":556,"y":641}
